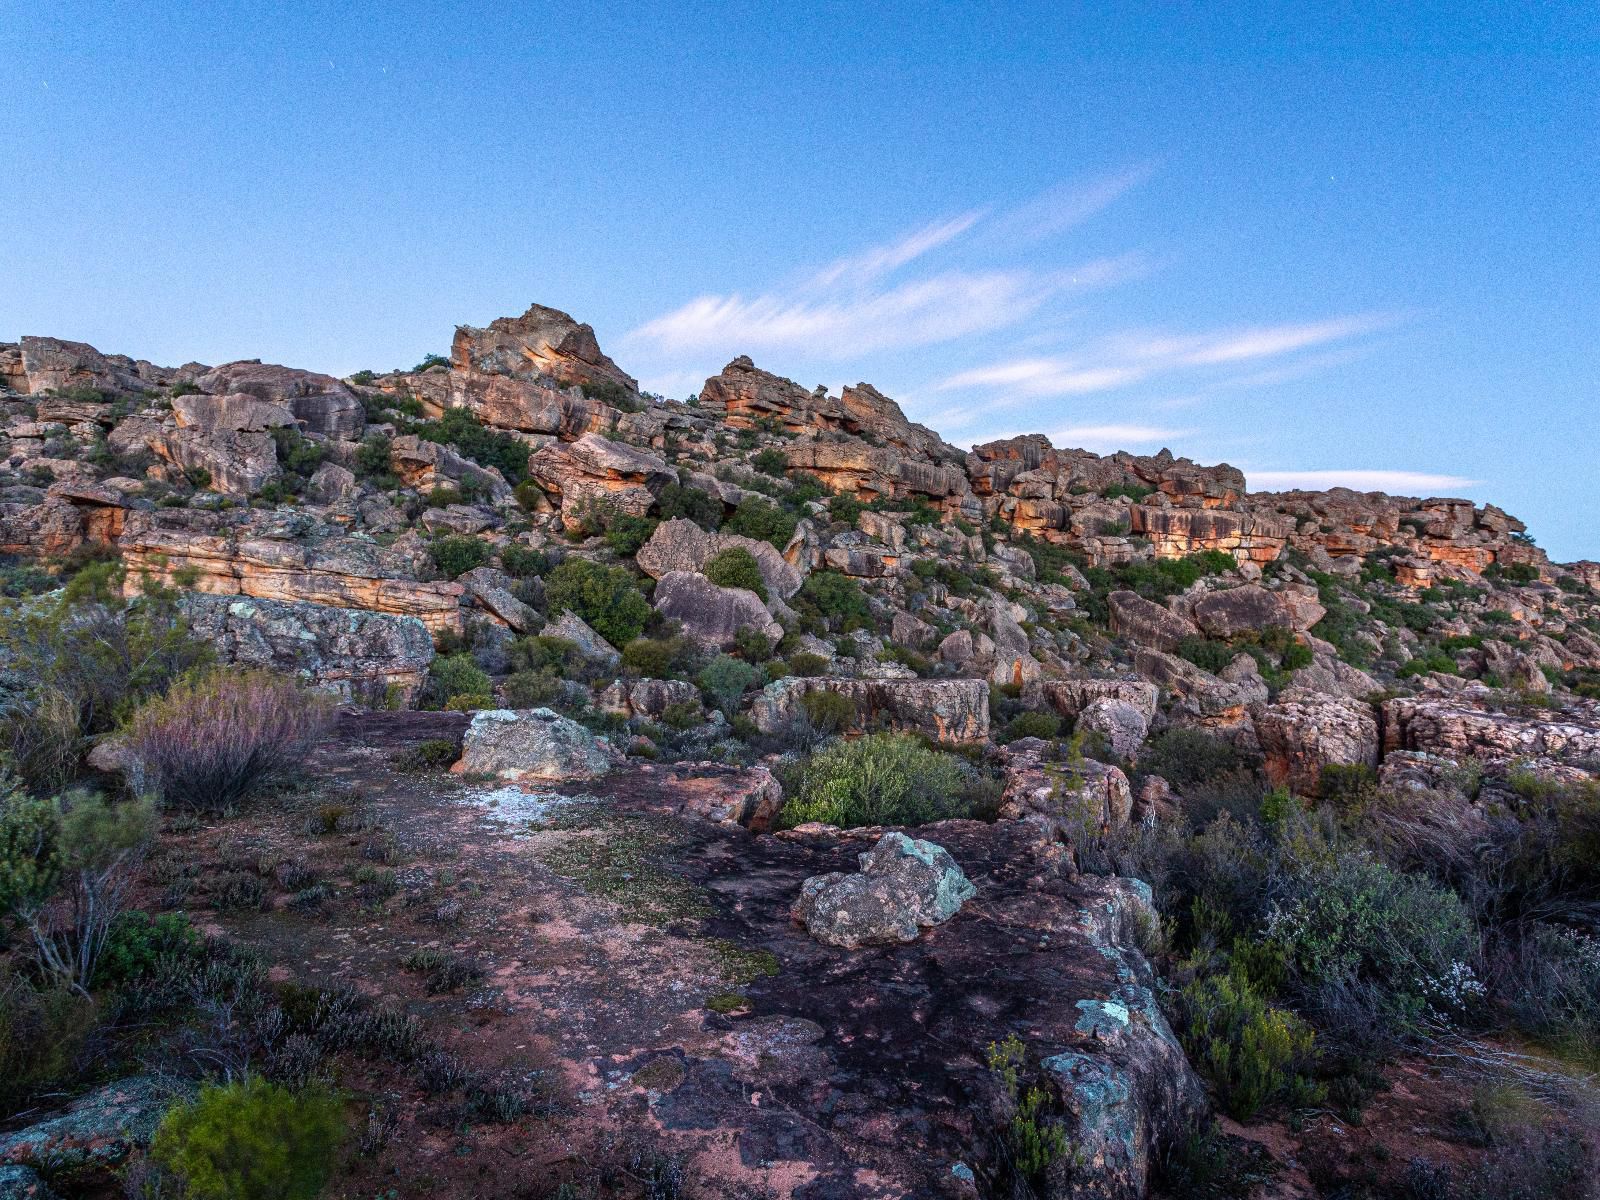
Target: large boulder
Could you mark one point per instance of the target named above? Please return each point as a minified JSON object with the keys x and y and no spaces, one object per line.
{"x":319,"y":402}
{"x":492,"y":591}
{"x":97,"y":1131}
{"x":1201,"y":698}
{"x":533,"y":744}
{"x":1069,"y":697}
{"x":1124,"y":726}
{"x":367,"y":657}
{"x":954,"y":711}
{"x":681,"y":545}
{"x":24,"y":1183}
{"x":1063,"y":797}
{"x":1148,"y":624}
{"x":1226,"y":614}
{"x":647,"y":697}
{"x":1301,"y":732}
{"x":570,"y":627}
{"x":237,"y":411}
{"x":713,"y":615}
{"x":905,"y":885}
{"x":1470,"y":724}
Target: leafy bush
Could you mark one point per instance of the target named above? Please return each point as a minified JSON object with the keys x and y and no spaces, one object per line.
{"x":762,"y":520}
{"x":456,"y":675}
{"x":251,"y":1140}
{"x":520,"y":562}
{"x":725,"y":679}
{"x":1184,"y":756}
{"x":1033,"y":1141}
{"x":372,"y":462}
{"x":625,"y":534}
{"x":655,"y":658}
{"x":215,"y":738}
{"x":771,"y":462}
{"x":530,"y":689}
{"x":808,"y":665}
{"x":607,"y":598}
{"x":138,"y":942}
{"x":460,"y":427}
{"x":736,"y":567}
{"x":43,"y":1032}
{"x":457,"y":553}
{"x":880,"y":779}
{"x":426,"y":754}
{"x":833,"y":601}
{"x":1206,"y":653}
{"x":297,"y":453}
{"x":845,"y":508}
{"x":690,"y":503}
{"x":1252,"y":1051}
{"x":1044,"y":725}
{"x":829,"y":711}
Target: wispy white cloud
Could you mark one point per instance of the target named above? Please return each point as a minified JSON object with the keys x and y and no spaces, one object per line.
{"x":878,"y":261}
{"x":1361,"y":480}
{"x":1116,"y":437}
{"x":1066,"y":205}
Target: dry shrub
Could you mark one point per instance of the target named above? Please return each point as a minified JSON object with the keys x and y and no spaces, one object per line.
{"x":214,"y":739}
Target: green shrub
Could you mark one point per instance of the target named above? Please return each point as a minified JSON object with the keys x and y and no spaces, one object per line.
{"x":1184,"y":756}
{"x":834,"y":601}
{"x":655,"y":658}
{"x":138,"y":942}
{"x":457,"y":553}
{"x":251,"y":1140}
{"x":880,"y":779}
{"x":456,"y":675}
{"x":845,"y":508}
{"x":460,"y":427}
{"x":1295,"y":656}
{"x":829,"y":711}
{"x":529,"y":495}
{"x":521,"y":562}
{"x":531,"y":689}
{"x":625,"y":534}
{"x":771,"y":462}
{"x":43,"y":1033}
{"x":426,"y":754}
{"x":372,"y":461}
{"x":690,"y":503}
{"x":297,"y":453}
{"x":442,"y":496}
{"x":736,"y":567}
{"x":725,"y":679}
{"x":468,"y":702}
{"x":1044,"y":725}
{"x":808,"y":665}
{"x":1206,"y":653}
{"x":682,"y":714}
{"x":1250,"y":1050}
{"x":762,"y":520}
{"x":607,"y":598}
{"x":1033,"y":1141}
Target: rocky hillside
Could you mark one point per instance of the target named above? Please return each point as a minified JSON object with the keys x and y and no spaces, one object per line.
{"x":328,"y":526}
{"x":1219,"y":801}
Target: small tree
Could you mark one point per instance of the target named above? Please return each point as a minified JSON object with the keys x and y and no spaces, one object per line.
{"x":66,"y":866}
{"x":736,"y":567}
{"x":607,"y":598}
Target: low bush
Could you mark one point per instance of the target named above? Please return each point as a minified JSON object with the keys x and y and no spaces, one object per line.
{"x":655,"y":658}
{"x":455,"y":554}
{"x":880,"y":779}
{"x":607,"y":598}
{"x":829,"y":712}
{"x":762,"y":520}
{"x":44,"y":1030}
{"x":137,"y":943}
{"x":832,"y":601}
{"x":1184,"y":756}
{"x":736,"y":567}
{"x":428,"y":754}
{"x":808,"y":665}
{"x":1033,"y":1138}
{"x":690,"y":503}
{"x":771,"y":462}
{"x":456,"y":675}
{"x":1035,"y":724}
{"x":1252,"y":1051}
{"x":532,"y":689}
{"x":725,"y":679}
{"x":251,"y":1140}
{"x":215,"y":738}
{"x":625,"y":534}
{"x":520,"y":562}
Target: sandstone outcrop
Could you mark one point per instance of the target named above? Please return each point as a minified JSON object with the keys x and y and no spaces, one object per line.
{"x":1301,"y":732}
{"x":713,"y":615}
{"x":680,"y":545}
{"x":1467,"y":725}
{"x":319,"y":402}
{"x":946,"y":710}
{"x":541,"y":343}
{"x":1147,"y":624}
{"x":535,"y":744}
{"x":595,"y":473}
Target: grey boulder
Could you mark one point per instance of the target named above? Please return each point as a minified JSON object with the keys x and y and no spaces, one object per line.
{"x":904,"y":886}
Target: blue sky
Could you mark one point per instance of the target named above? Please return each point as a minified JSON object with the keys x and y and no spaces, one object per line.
{"x":1356,"y":247}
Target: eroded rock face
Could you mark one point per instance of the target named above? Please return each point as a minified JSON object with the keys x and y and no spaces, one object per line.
{"x":1232,"y":611}
{"x":1062,"y":797}
{"x":1301,"y":732}
{"x":595,"y":471}
{"x":1466,"y":725}
{"x":533,"y":744}
{"x":946,"y":710}
{"x":1121,"y":724}
{"x":1148,"y":624}
{"x":542,"y":342}
{"x":366,"y":657}
{"x":320,"y":402}
{"x":904,"y":886}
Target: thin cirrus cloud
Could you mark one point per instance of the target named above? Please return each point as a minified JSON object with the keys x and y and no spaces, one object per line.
{"x":1360,"y":480}
{"x":867,"y":302}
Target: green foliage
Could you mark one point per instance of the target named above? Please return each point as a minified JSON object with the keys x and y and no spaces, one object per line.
{"x":656,"y":658}
{"x":1250,"y":1050}
{"x":762,"y":520}
{"x":521,"y":562}
{"x":251,"y":1140}
{"x":771,"y":462}
{"x":529,"y":495}
{"x":1185,"y":756}
{"x":43,"y":1034}
{"x":880,"y":779}
{"x":828,"y":711}
{"x":1033,"y":1141}
{"x":372,"y":461}
{"x":456,"y":675}
{"x":736,"y":567}
{"x":1133,"y":491}
{"x":460,"y":427}
{"x":297,"y":453}
{"x":845,"y":508}
{"x":610,"y":391}
{"x":689,"y":503}
{"x":138,"y":942}
{"x":725,"y":679}
{"x":1428,"y":659}
{"x":1164,"y":577}
{"x":1206,"y":653}
{"x":808,"y":665}
{"x":682,"y":714}
{"x":431,"y":362}
{"x":625,"y":534}
{"x":833,"y":601}
{"x":532,"y":689}
{"x":428,"y":754}
{"x":457,"y":553}
{"x":607,"y":598}
{"x":1046,"y":725}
